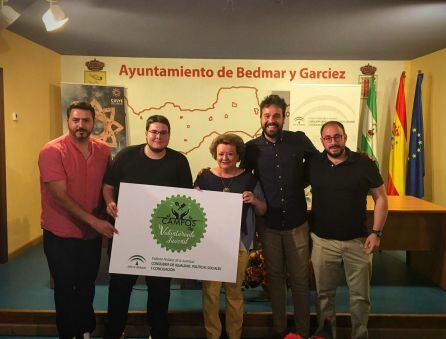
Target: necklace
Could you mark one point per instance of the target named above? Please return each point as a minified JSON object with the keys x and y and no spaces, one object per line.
{"x":226,"y":187}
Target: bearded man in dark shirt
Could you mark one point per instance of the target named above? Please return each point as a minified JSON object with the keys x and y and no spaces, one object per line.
{"x":342,"y":245}
{"x":278,"y":160}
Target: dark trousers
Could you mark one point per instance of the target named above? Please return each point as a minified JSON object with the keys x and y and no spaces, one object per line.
{"x":74,"y":265}
{"x":158,"y":297}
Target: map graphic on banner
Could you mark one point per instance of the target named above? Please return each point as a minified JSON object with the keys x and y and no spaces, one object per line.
{"x":203,"y":98}
{"x":177,"y":232}
{"x":109,"y":105}
{"x":315,"y":104}
{"x":232,"y":109}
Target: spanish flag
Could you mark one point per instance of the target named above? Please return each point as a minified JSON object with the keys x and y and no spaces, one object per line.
{"x":398,"y":153}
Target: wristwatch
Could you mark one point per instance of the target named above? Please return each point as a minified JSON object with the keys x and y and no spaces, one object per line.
{"x":379,"y":234}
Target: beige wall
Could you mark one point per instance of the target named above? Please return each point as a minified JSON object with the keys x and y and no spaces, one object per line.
{"x":434,"y":113}
{"x":31,"y":80}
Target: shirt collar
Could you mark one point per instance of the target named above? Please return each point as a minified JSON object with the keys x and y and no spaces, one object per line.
{"x":90,"y":143}
{"x":279,"y":139}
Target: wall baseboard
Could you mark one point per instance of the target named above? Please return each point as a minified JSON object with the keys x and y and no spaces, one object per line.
{"x":23,"y":248}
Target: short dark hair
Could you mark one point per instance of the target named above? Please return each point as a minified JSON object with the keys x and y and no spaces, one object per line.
{"x":275,"y":100}
{"x":81,"y":105}
{"x":228,"y":139}
{"x":157,"y":118}
{"x":333,"y":122}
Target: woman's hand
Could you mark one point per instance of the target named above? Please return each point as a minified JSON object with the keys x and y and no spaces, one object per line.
{"x":248,"y":197}
{"x":259,"y":205}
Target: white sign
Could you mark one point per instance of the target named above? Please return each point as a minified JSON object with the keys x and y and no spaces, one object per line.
{"x":314,"y":104}
{"x":176,"y":232}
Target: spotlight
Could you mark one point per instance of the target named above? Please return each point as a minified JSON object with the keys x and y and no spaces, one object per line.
{"x":54,"y":17}
{"x":7,"y":15}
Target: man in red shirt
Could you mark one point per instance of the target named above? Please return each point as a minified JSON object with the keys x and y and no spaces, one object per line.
{"x":72,"y":168}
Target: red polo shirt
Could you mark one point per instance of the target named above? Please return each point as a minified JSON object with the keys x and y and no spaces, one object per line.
{"x":60,"y":159}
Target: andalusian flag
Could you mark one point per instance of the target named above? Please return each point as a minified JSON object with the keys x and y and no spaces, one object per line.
{"x":368,"y":135}
{"x":396,"y":183}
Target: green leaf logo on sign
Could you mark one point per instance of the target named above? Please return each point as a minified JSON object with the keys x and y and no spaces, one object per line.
{"x":178,"y":223}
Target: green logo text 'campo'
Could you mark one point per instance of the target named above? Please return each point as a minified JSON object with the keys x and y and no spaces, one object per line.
{"x":178,"y":223}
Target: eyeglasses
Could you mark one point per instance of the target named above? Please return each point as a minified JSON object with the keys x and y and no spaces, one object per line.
{"x":336,"y":138}
{"x":160,"y":133}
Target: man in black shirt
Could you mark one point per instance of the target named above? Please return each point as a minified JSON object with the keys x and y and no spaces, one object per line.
{"x":340,"y":180}
{"x":278,"y":158}
{"x":152,"y":163}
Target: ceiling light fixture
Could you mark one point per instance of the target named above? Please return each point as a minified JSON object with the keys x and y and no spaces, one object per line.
{"x":54,"y":17}
{"x":7,"y":15}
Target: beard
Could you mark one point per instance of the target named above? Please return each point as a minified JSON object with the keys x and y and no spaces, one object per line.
{"x":156,"y":150}
{"x":339,"y":151}
{"x":80,"y":133}
{"x":274,"y":134}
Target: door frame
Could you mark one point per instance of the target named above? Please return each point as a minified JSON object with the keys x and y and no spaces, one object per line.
{"x":3,"y":211}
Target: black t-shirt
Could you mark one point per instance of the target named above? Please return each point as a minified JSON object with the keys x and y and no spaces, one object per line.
{"x":131,"y":165}
{"x":280,"y":168}
{"x":340,"y":195}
